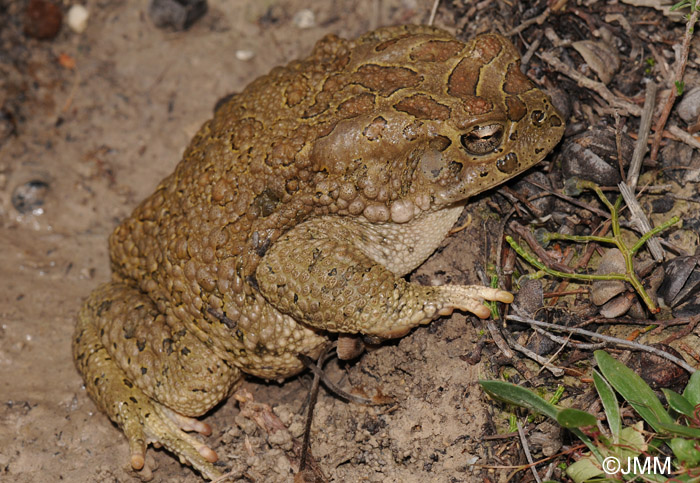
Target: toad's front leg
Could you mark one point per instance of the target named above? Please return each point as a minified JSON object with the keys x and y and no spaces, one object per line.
{"x":319,"y":274}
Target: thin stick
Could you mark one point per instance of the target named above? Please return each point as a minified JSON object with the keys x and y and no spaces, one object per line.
{"x":639,"y":219}
{"x":313,"y":398}
{"x":526,"y":449}
{"x":684,"y":136}
{"x":640,"y":148}
{"x":433,"y":12}
{"x":680,"y":70}
{"x":606,"y":338}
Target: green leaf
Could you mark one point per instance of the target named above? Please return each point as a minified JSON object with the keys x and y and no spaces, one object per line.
{"x":609,"y":400}
{"x":519,"y":396}
{"x":573,"y":418}
{"x":692,"y":390}
{"x":679,"y":430}
{"x":633,"y":389}
{"x":584,"y":469}
{"x":680,"y":86}
{"x":678,"y":403}
{"x":686,"y":452}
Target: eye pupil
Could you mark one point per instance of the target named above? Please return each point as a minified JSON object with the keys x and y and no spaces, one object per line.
{"x":482,"y":139}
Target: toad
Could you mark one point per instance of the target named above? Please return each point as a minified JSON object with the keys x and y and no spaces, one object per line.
{"x":293,"y":217}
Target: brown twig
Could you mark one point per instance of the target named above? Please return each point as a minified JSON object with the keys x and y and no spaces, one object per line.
{"x":684,"y":136}
{"x":539,"y":20}
{"x":537,"y":248}
{"x":683,"y":332}
{"x":598,"y":87}
{"x":681,"y":64}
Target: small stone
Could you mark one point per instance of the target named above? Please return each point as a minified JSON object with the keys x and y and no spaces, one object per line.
{"x":42,"y":19}
{"x":244,"y":55}
{"x":530,"y":297}
{"x":176,"y":14}
{"x":77,"y":18}
{"x":29,"y":197}
{"x":689,"y":107}
{"x":304,"y":19}
{"x":281,"y":439}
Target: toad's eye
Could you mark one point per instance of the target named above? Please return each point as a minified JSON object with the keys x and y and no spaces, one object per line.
{"x":482,"y":139}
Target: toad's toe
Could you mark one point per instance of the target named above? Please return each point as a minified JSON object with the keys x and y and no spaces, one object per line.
{"x":148,"y":422}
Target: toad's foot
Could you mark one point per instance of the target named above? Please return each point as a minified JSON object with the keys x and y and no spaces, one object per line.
{"x":469,"y":298}
{"x":145,"y":422}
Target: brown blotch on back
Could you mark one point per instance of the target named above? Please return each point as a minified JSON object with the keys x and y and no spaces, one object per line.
{"x":486,"y":48}
{"x":421,"y":106}
{"x":386,"y":80}
{"x":516,"y":82}
{"x":322,"y":100}
{"x":356,"y":105}
{"x":475,"y":106}
{"x":463,"y":79}
{"x":436,"y":50}
{"x":516,"y":108}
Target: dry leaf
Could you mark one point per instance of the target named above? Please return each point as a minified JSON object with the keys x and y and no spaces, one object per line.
{"x":600,"y":58}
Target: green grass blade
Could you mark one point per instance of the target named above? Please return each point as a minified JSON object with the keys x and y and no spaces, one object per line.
{"x":573,"y":418}
{"x":519,"y":396}
{"x":610,"y":405}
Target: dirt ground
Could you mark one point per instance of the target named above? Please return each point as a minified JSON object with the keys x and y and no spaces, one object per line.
{"x":94,"y":139}
{"x":100,"y":137}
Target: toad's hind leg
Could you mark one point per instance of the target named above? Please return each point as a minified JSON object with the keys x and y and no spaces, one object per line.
{"x":149,"y":376}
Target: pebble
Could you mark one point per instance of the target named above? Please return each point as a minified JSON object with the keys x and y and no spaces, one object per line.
{"x":77,"y":18}
{"x":42,"y":19}
{"x":689,"y":107}
{"x":304,"y":19}
{"x":176,"y":14}
{"x":29,"y":197}
{"x":244,"y":54}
